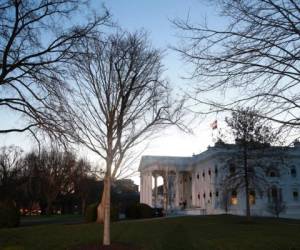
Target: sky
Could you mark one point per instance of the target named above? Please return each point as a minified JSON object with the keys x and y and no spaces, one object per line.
{"x":153,"y":16}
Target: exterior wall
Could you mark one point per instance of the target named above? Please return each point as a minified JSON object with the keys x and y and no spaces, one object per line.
{"x":286,"y":183}
{"x":200,"y":186}
{"x":204,"y":183}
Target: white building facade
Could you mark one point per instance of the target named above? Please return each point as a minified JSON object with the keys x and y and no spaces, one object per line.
{"x":195,"y":185}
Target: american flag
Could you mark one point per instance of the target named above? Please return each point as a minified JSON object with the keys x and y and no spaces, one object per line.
{"x":214,"y":125}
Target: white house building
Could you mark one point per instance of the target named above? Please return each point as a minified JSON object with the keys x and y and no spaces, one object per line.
{"x":195,"y":185}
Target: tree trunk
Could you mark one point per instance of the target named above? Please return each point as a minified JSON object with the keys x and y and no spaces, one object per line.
{"x":83,"y":206}
{"x":246,"y":184}
{"x":106,"y":229}
{"x":30,"y":208}
{"x":49,"y":207}
{"x":101,"y":206}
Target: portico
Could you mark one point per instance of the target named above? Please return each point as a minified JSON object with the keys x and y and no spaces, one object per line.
{"x":177,"y":183}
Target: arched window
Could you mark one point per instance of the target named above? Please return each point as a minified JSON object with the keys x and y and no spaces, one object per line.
{"x":295,"y":195}
{"x":273,"y":173}
{"x":203,"y":174}
{"x":198,"y":196}
{"x":209,"y":172}
{"x":216,"y":170}
{"x":233,"y":198}
{"x":252,"y":197}
{"x":274,"y":194}
{"x":232,"y":169}
{"x":198,"y":176}
{"x":204,"y":195}
{"x":293,"y":172}
{"x":210,"y":194}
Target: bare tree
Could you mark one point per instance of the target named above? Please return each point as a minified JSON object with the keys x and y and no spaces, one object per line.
{"x":34,"y":50}
{"x":10,"y":169}
{"x":32,"y":190}
{"x":247,"y":167}
{"x":53,"y":170}
{"x":253,"y":57}
{"x":119,"y":101}
{"x":82,"y":180}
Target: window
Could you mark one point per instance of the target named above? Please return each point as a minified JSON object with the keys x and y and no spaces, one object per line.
{"x":293,"y":172}
{"x":295,"y":195}
{"x":198,"y":176}
{"x":198,"y":196}
{"x":190,"y":178}
{"x":252,"y":197}
{"x":210,"y":194}
{"x":233,"y":198}
{"x":216,"y":171}
{"x":273,"y":173}
{"x":203,"y":174}
{"x":209,"y":172}
{"x":231,"y":169}
{"x":217,"y":193}
{"x":204,"y":195}
{"x":274,"y":194}
{"x":250,"y":170}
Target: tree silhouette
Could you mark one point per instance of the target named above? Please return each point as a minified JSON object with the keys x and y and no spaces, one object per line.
{"x":253,"y":56}
{"x":35,"y":47}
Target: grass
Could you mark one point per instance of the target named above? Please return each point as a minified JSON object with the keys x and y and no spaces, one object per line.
{"x":52,"y":219}
{"x":206,"y":232}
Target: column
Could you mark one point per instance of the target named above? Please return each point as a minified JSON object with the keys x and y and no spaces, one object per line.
{"x":172,"y":191}
{"x":142,"y":187}
{"x":155,"y":190}
{"x":165,"y":192}
{"x":177,"y":194}
{"x":193,"y":193}
{"x":149,"y":189}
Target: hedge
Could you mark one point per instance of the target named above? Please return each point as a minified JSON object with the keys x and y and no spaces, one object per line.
{"x":139,"y":211}
{"x":9,"y":214}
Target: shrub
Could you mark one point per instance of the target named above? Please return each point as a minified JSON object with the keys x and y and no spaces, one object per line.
{"x":158,"y":212}
{"x":9,"y":215}
{"x":91,"y":212}
{"x":138,"y":211}
{"x":114,"y":213}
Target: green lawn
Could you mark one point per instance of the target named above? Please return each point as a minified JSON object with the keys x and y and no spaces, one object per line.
{"x":209,"y":232}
